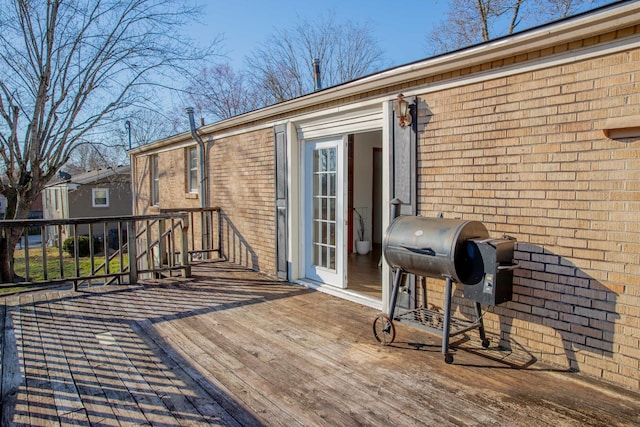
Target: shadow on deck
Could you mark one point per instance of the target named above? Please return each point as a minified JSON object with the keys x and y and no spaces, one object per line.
{"x":233,"y":347}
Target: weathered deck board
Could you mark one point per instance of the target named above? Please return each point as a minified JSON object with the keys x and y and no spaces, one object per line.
{"x":40,"y":390}
{"x":14,"y":403}
{"x":232,"y":347}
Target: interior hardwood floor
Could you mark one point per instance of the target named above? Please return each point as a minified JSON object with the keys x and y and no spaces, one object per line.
{"x":365,"y":273}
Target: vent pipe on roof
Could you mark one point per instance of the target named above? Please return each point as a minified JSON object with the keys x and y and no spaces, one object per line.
{"x":317,"y":82}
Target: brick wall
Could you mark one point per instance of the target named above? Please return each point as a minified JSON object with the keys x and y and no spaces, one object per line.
{"x":173,"y":187}
{"x":242,"y":184}
{"x":141,"y":175}
{"x":526,"y":155}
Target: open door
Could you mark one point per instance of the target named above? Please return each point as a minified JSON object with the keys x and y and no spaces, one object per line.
{"x":324,"y":211}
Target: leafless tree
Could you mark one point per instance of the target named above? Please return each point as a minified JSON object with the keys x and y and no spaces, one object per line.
{"x":469,"y":22}
{"x":91,"y":157}
{"x":68,"y":67}
{"x":282,"y":66}
{"x":222,"y":92}
{"x":146,"y":126}
{"x":109,"y":147}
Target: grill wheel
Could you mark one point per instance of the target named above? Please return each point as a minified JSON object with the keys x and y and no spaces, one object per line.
{"x":383,"y":329}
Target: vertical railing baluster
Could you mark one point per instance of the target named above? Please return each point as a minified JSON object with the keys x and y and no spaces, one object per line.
{"x":105,"y":247}
{"x":210,"y":229}
{"x":43,"y":245}
{"x":76,"y":256}
{"x":150,"y":260}
{"x":186,"y":271}
{"x":161,"y":244}
{"x":92,"y":265}
{"x":26,"y":253}
{"x":172,"y":244}
{"x":60,"y":252}
{"x":132,"y":250}
{"x":203,"y":235}
{"x":121,"y":251}
{"x":219,"y":219}
{"x":192,"y":231}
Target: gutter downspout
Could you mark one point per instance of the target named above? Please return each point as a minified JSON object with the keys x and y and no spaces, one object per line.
{"x":204,"y":199}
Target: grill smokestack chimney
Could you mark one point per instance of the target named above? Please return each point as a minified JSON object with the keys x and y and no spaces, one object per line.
{"x":317,"y":82}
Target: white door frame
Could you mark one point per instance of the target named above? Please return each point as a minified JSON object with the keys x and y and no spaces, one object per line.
{"x":339,"y":121}
{"x":325,"y":211}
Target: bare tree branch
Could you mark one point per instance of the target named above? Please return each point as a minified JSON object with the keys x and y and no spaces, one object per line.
{"x":467,"y":23}
{"x":69,"y":67}
{"x":222,"y":92}
{"x":283,"y":65}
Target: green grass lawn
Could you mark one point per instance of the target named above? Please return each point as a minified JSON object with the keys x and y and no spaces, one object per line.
{"x":37,"y":270}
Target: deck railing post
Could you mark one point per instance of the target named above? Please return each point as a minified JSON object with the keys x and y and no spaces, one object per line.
{"x":161,"y":246}
{"x":133,"y":253}
{"x":203,"y":234}
{"x":219,"y":218}
{"x":186,"y":270}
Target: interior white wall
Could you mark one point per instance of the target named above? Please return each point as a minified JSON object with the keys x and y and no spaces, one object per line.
{"x":362,"y":177}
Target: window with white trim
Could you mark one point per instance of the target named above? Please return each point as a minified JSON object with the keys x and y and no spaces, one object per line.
{"x":100,"y":197}
{"x":192,"y":170}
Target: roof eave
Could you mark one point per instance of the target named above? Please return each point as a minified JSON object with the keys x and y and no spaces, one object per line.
{"x":614,"y":17}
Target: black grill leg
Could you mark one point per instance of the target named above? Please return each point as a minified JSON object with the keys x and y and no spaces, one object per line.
{"x":447,"y":320}
{"x":483,"y":335}
{"x":394,"y":293}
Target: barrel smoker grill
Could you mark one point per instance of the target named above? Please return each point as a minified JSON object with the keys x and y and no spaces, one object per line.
{"x":456,"y":250}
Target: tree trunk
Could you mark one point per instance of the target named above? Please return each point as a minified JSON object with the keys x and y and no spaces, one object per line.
{"x":8,"y":241}
{"x":18,"y":207}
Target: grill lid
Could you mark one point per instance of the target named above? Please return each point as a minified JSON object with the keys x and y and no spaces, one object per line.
{"x":435,"y":247}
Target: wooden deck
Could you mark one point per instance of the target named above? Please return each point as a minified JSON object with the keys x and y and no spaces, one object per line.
{"x":233,"y":347}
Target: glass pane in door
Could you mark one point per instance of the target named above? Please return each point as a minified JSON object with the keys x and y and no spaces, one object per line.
{"x":324,"y":206}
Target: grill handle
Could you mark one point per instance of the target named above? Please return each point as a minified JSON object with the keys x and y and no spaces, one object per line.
{"x":508,"y":267}
{"x":421,"y":251}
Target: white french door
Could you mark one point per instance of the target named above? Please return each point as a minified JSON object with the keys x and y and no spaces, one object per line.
{"x":324,"y":211}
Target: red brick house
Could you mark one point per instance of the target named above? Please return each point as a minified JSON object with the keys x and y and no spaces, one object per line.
{"x":536,"y":135}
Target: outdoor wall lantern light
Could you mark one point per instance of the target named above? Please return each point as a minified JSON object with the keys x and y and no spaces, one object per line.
{"x":403,"y":112}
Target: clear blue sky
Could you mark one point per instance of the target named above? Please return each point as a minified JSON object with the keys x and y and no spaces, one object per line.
{"x":398,"y":26}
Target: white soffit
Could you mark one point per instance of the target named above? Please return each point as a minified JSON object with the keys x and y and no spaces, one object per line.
{"x":339,"y":124}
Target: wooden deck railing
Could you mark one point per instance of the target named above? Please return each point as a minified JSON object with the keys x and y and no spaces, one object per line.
{"x":205,"y":235}
{"x":161,"y":244}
